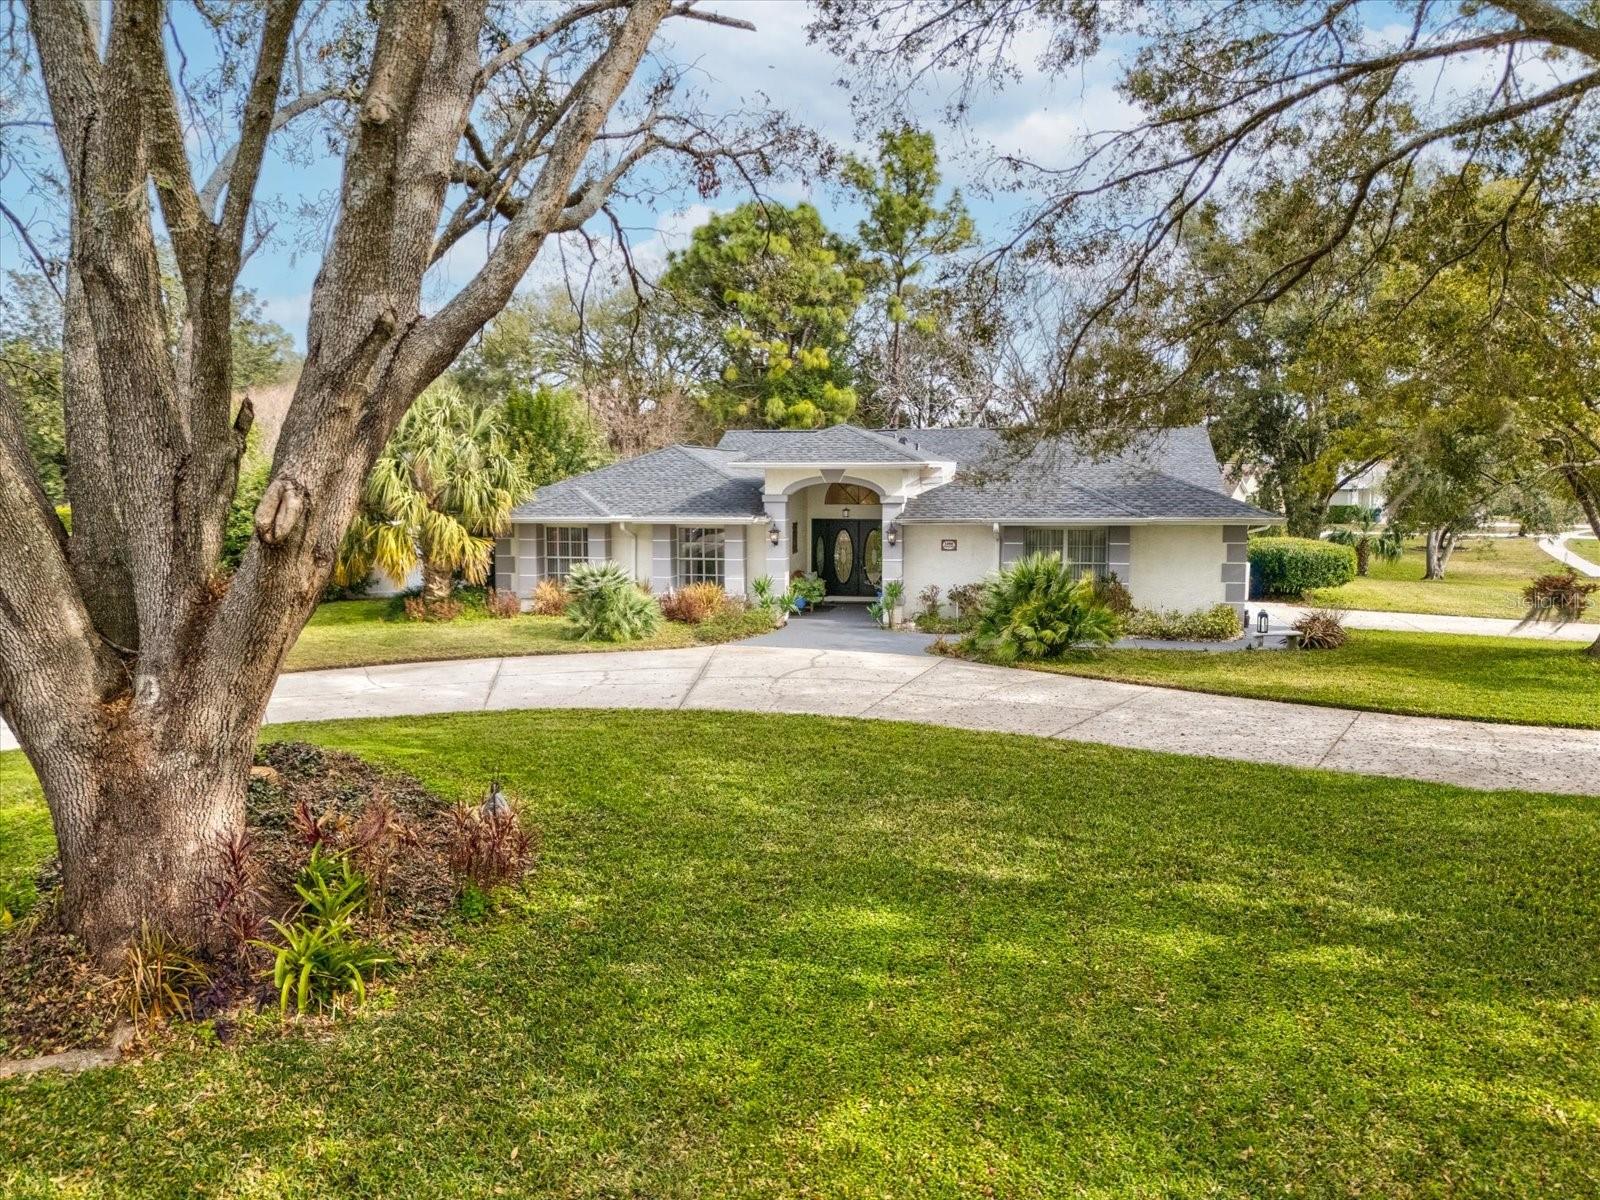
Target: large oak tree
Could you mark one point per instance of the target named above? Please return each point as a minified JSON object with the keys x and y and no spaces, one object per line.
{"x":133,"y":669}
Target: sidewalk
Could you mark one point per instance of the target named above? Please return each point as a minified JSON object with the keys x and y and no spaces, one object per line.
{"x":1287,"y":614}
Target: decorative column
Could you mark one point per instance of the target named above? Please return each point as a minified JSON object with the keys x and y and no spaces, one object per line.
{"x":777,"y":506}
{"x":894,"y":553}
{"x":661,"y":558}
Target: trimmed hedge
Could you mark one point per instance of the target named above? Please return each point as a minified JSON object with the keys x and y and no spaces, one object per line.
{"x":1220,"y":623}
{"x":1288,"y":566}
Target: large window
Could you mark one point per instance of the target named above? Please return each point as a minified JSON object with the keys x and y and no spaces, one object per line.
{"x":701,"y":555}
{"x":564,"y":545}
{"x":1081,"y":549}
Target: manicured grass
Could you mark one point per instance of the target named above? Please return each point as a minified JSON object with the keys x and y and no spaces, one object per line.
{"x":1485,"y":578}
{"x":1586,"y":548}
{"x":1518,"y":680}
{"x":792,"y":956}
{"x":352,"y":633}
{"x":25,"y":839}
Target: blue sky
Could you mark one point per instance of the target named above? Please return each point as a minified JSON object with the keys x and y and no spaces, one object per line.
{"x":1042,"y":117}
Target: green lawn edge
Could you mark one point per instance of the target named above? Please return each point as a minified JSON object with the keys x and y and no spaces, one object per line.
{"x":1511,"y":681}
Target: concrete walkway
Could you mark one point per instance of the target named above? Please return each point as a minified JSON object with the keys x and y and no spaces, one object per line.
{"x":1556,"y":547}
{"x":940,"y":691}
{"x":1287,"y":614}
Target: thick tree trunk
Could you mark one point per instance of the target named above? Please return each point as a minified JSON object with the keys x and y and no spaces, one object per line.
{"x":438,"y":583}
{"x":1439,"y":544}
{"x":1594,"y":649}
{"x":137,"y":819}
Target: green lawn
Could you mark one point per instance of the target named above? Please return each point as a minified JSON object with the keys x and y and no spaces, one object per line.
{"x":1485,"y":578}
{"x":792,"y":956}
{"x":1586,"y":547}
{"x":1519,"y":680}
{"x":351,"y":633}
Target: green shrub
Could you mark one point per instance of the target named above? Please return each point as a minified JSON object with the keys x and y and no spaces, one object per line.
{"x":811,"y":589}
{"x":1219,"y":623}
{"x":1037,"y":608}
{"x":968,"y":599}
{"x":606,"y":606}
{"x":1288,"y":566}
{"x":1114,"y":594}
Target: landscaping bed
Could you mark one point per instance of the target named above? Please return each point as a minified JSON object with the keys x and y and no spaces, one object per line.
{"x":354,"y":633}
{"x":905,"y":961}
{"x":308,"y":810}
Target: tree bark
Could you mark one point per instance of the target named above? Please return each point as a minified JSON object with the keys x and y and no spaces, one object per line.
{"x":1439,"y":545}
{"x":1363,"y":555}
{"x":438,"y":583}
{"x":137,"y":824}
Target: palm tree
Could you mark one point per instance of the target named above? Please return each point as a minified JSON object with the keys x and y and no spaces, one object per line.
{"x":1368,"y":539}
{"x":440,"y":494}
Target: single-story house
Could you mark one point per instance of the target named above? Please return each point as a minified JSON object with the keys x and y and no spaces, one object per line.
{"x":925,"y":506}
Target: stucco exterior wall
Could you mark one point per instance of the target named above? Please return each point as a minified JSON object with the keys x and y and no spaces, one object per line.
{"x":1177,"y":566}
{"x":976,"y":555}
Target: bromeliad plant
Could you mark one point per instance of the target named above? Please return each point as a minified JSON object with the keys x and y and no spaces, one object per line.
{"x":1036,"y":608}
{"x":320,"y":957}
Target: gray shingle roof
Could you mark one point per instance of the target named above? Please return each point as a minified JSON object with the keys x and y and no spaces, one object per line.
{"x":835,"y":444}
{"x":1173,"y":477}
{"x":688,"y":481}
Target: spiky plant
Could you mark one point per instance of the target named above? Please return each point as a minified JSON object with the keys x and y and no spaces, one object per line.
{"x":1037,"y":608}
{"x":1368,"y":539}
{"x":607,"y":606}
{"x":440,"y":494}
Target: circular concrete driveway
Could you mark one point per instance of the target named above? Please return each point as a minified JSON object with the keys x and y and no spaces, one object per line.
{"x":892,"y":686}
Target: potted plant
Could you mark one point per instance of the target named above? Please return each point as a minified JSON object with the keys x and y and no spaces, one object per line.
{"x":809,"y":591}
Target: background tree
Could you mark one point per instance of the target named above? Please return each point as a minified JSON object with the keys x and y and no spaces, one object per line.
{"x":439,"y":495}
{"x":775,"y":293}
{"x":552,"y":433}
{"x":133,"y":672}
{"x":928,"y":320}
{"x":1367,"y":538}
{"x":1238,"y":98}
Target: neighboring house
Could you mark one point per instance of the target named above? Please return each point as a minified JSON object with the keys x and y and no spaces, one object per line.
{"x":1366,"y":489}
{"x":924,"y":506}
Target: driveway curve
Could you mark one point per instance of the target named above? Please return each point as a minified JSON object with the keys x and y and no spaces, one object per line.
{"x":940,"y":691}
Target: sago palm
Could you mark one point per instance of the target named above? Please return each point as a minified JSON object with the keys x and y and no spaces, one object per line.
{"x":1037,"y":608}
{"x":440,"y":494}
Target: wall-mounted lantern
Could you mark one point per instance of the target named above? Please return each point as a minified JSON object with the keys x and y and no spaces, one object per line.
{"x":774,"y":534}
{"x":846,"y":512}
{"x":894,"y":532}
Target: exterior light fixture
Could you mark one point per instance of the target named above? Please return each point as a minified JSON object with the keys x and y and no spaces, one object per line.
{"x":894,"y":532}
{"x":1261,"y":621}
{"x":847,"y":512}
{"x":495,"y":805}
{"x":774,"y":533}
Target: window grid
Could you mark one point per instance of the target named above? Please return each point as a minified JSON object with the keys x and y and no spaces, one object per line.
{"x":1083,"y":550}
{"x":702,"y":556}
{"x":564,"y":546}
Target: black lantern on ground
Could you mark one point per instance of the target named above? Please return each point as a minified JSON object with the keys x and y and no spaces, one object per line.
{"x":1261,"y":621}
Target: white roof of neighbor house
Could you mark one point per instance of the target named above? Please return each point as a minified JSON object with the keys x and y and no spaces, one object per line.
{"x":1173,"y":476}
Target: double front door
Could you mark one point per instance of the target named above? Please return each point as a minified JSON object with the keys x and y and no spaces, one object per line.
{"x":848,"y":555}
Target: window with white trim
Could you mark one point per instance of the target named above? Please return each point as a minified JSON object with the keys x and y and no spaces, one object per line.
{"x":701,"y":556}
{"x":564,"y":546}
{"x":1081,"y":549}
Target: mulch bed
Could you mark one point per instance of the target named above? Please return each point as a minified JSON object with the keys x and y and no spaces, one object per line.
{"x":52,"y":996}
